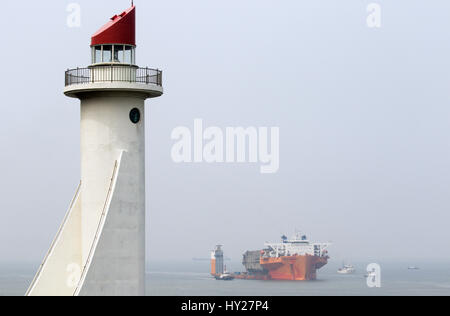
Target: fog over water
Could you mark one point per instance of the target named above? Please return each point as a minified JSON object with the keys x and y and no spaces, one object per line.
{"x":363,"y":114}
{"x":190,"y":279}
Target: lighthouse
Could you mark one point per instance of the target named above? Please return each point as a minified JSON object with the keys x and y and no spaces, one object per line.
{"x":100,"y":247}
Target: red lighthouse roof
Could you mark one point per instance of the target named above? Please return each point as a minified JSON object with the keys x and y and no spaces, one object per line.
{"x":120,"y":30}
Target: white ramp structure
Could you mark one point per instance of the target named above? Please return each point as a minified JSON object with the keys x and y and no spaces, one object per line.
{"x":100,"y":247}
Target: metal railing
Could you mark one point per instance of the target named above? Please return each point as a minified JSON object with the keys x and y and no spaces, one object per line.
{"x":113,"y":73}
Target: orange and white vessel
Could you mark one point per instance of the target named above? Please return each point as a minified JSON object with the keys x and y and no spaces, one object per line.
{"x":217,"y":264}
{"x":295,"y":259}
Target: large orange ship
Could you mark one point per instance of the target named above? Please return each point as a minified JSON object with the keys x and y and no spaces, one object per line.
{"x":295,"y":259}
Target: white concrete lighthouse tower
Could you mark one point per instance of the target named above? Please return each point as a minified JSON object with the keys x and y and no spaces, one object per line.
{"x":100,"y":247}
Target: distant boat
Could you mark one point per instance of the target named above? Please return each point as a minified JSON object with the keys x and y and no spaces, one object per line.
{"x":347,"y":269}
{"x":413,"y":268}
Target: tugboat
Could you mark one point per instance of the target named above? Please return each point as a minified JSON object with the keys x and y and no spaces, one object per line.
{"x":225,"y":276}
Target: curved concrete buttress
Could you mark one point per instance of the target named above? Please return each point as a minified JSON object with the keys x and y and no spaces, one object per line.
{"x":116,"y":263}
{"x":61,"y":270}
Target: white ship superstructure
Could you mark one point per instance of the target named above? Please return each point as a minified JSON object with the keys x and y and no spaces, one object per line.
{"x":298,"y":245}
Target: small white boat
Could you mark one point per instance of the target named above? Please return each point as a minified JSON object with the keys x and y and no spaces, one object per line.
{"x":225,"y":277}
{"x":413,"y":268}
{"x":347,"y":269}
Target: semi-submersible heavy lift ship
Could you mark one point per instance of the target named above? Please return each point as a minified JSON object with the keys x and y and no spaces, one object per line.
{"x":295,"y":259}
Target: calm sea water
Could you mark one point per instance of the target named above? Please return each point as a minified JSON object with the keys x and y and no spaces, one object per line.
{"x":192,"y":279}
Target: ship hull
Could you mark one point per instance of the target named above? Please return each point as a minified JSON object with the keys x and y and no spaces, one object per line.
{"x":293,"y":268}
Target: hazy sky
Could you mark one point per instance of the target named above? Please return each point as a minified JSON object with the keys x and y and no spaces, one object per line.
{"x":364,"y":118}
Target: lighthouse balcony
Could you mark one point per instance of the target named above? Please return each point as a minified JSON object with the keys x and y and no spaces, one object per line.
{"x":113,"y":77}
